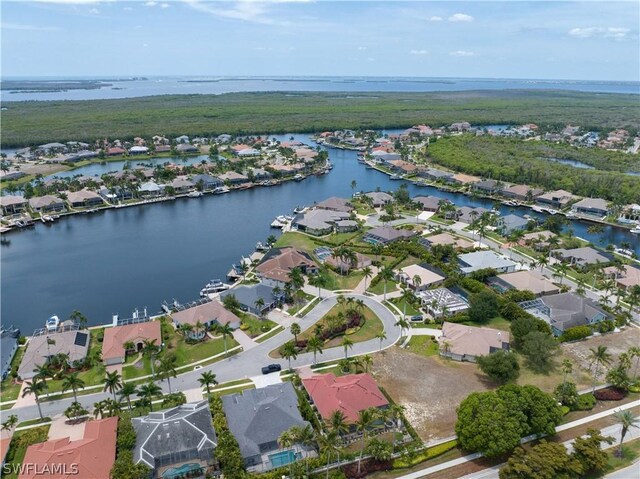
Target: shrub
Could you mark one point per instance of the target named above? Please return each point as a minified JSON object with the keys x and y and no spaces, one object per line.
{"x":585,"y":402}
{"x":606,"y":326}
{"x":567,"y":394}
{"x":609,"y":394}
{"x":565,"y":410}
{"x":472,"y":285}
{"x":574,"y":334}
{"x":22,"y":340}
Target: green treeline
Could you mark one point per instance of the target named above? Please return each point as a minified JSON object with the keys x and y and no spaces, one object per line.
{"x":517,"y":161}
{"x":36,"y":122}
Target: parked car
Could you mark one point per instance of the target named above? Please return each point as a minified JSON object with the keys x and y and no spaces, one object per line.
{"x":271,"y":368}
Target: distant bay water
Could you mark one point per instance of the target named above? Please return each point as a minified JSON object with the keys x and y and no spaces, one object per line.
{"x":148,"y":86}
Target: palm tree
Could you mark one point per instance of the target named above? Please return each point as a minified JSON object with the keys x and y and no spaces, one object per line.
{"x":318,"y":281}
{"x":563,"y":269}
{"x":346,"y":344}
{"x":367,"y":273}
{"x":295,"y":330}
{"x":289,"y":351}
{"x":149,"y":391}
{"x":599,"y":356}
{"x":128,"y":390}
{"x":225,"y":331}
{"x":354,"y":185}
{"x":338,"y":422}
{"x":367,"y":362}
{"x":314,"y":345}
{"x":10,"y":423}
{"x":35,"y":387}
{"x":402,"y":324}
{"x":386,"y":274}
{"x":167,"y":368}
{"x":416,"y":281}
{"x":259,"y":305}
{"x":329,"y":443}
{"x":72,"y":381}
{"x":206,"y":379}
{"x":567,"y":368}
{"x":99,"y":409}
{"x":407,"y":297}
{"x":285,"y":441}
{"x":113,"y":383}
{"x":381,"y":336}
{"x":627,"y":420}
{"x":633,"y":296}
{"x":634,"y":352}
{"x":365,"y":420}
{"x":543,"y":260}
{"x":150,"y":350}
{"x":198,"y":327}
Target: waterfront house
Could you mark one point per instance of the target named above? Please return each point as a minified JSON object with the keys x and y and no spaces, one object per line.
{"x":8,"y":348}
{"x":89,"y":457}
{"x":428,"y":276}
{"x":257,"y":418}
{"x":40,"y":348}
{"x":248,"y":296}
{"x":506,"y":225}
{"x":525,"y":280}
{"x":276,"y":265}
{"x":446,"y":239}
{"x":556,"y":199}
{"x":428,"y":203}
{"x":207,"y":314}
{"x":160,"y":140}
{"x":115,"y":193}
{"x":84,"y":199}
{"x":46,"y":204}
{"x":138,"y":150}
{"x":260,"y":174}
{"x":581,"y":257}
{"x":346,"y":226}
{"x":318,"y":222}
{"x":181,"y":185}
{"x":521,"y":192}
{"x":206,"y":182}
{"x":184,"y":139}
{"x":627,"y":277}
{"x":470,"y":262}
{"x":591,"y":207}
{"x":247,"y":152}
{"x":233,"y":178}
{"x":386,"y":234}
{"x":335,"y":204}
{"x":115,"y":151}
{"x":465,"y":343}
{"x":379,"y":198}
{"x":441,"y":302}
{"x":176,"y":442}
{"x":52,"y":148}
{"x":485,"y":186}
{"x":538,"y":240}
{"x":435,"y":174}
{"x":118,"y":337}
{"x":150,"y":189}
{"x":12,"y":205}
{"x":401,"y":166}
{"x":565,"y":310}
{"x":186,"y":148}
{"x":462,"y":179}
{"x":467,"y":214}
{"x":348,"y":394}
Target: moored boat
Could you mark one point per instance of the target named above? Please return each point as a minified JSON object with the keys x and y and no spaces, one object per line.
{"x":52,"y":323}
{"x":195,"y":194}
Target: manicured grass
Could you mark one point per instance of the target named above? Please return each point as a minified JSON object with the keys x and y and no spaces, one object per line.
{"x":18,"y":448}
{"x":423,"y":345}
{"x":496,"y":323}
{"x":338,"y":281}
{"x":189,"y":353}
{"x":8,"y":389}
{"x":30,"y":422}
{"x":379,"y":288}
{"x":254,"y":326}
{"x":303,"y":300}
{"x":142,"y":368}
{"x":296,"y":240}
{"x":630,"y":455}
{"x":401,"y":303}
{"x":271,"y":334}
{"x":234,"y":390}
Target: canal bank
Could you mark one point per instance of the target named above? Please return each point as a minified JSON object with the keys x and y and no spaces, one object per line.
{"x":126,"y":258}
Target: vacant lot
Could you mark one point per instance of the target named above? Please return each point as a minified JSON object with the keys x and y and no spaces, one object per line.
{"x":430,"y":388}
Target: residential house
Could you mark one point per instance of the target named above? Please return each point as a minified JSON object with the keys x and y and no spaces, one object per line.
{"x":8,"y":348}
{"x":335,"y":204}
{"x":277,"y":264}
{"x":346,"y":226}
{"x":557,"y":199}
{"x":581,"y":257}
{"x":260,"y":174}
{"x":420,"y":276}
{"x":591,"y":207}
{"x":12,"y":205}
{"x":181,"y":140}
{"x":84,"y":199}
{"x":206,"y":182}
{"x":181,"y":185}
{"x":428,"y":203}
{"x":233,"y":178}
{"x":467,"y":214}
{"x":379,"y":198}
{"x":538,"y":240}
{"x":361,"y":261}
{"x":565,"y":310}
{"x":446,"y":239}
{"x":485,"y":186}
{"x":319,"y":222}
{"x":90,"y":457}
{"x":466,"y":343}
{"x":462,"y":179}
{"x":40,"y":348}
{"x":207,"y":314}
{"x":386,"y":234}
{"x":521,"y":192}
{"x":525,"y":280}
{"x":46,"y":204}
{"x":625,"y":278}
{"x":248,"y":296}
{"x":348,"y":394}
{"x":151,"y":189}
{"x":116,"y":339}
{"x":441,"y":302}
{"x":401,"y":166}
{"x":138,"y":150}
{"x":508,"y":224}
{"x":176,"y":442}
{"x":257,"y":418}
{"x":435,"y":174}
{"x":115,"y":151}
{"x":470,"y":262}
{"x":186,"y":148}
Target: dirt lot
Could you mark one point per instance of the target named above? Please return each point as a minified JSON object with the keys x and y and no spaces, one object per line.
{"x":429,"y":388}
{"x":616,"y":344}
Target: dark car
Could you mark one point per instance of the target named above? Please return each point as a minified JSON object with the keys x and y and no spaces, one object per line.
{"x":271,"y":368}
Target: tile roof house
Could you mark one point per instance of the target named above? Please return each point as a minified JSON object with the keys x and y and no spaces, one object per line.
{"x":39,"y":348}
{"x":350,"y":394}
{"x":208,"y":314}
{"x":435,"y":174}
{"x":467,"y":214}
{"x":84,"y":198}
{"x":510,"y":223}
{"x":521,"y":192}
{"x":539,"y":240}
{"x":11,"y":204}
{"x":335,"y":204}
{"x":525,"y":280}
{"x":362,"y":261}
{"x":386,"y":234}
{"x":462,"y":179}
{"x":466,"y":343}
{"x":207,"y":182}
{"x":233,"y":178}
{"x":402,"y":166}
{"x":257,"y":418}
{"x":557,"y":199}
{"x":318,"y":222}
{"x":247,"y":295}
{"x":113,"y":350}
{"x":426,"y":274}
{"x":446,"y":239}
{"x":486,"y":186}
{"x":565,"y":310}
{"x":581,"y":257}
{"x":47,"y":203}
{"x":628,"y":277}
{"x":91,"y":457}
{"x":470,"y":262}
{"x":428,"y":203}
{"x":591,"y":207}
{"x":277,"y":264}
{"x":379,"y":198}
{"x":181,"y":185}
{"x":171,"y":440}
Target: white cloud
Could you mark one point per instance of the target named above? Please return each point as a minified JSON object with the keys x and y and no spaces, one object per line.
{"x":362,"y":49}
{"x":94,"y":11}
{"x":418,"y":52}
{"x":617,"y":33}
{"x":244,"y":10}
{"x":461,"y":53}
{"x":165,"y":5}
{"x":128,"y":9}
{"x":75,"y":2}
{"x":460,"y":17}
{"x":150,"y":4}
{"x":435,"y":18}
{"x":145,"y":45}
{"x":31,"y":28}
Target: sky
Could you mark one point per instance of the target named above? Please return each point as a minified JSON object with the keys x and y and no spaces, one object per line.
{"x":588,"y":40}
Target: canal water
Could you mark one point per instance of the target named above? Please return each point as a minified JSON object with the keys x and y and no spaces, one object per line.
{"x":121,"y":259}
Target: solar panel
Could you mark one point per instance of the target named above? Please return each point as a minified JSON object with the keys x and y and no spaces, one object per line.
{"x":81,"y":339}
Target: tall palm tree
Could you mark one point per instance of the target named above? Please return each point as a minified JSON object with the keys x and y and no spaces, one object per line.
{"x":598,"y":356}
{"x":338,"y":422}
{"x":567,"y":368}
{"x":295,"y":330}
{"x":289,"y":351}
{"x":386,"y":274}
{"x":286,"y":441}
{"x":206,"y":379}
{"x":198,"y":327}
{"x":225,"y":331}
{"x":407,"y":297}
{"x":402,"y":324}
{"x":113,"y":383}
{"x":72,"y":381}
{"x":259,"y":304}
{"x":367,"y":362}
{"x":149,"y":391}
{"x":10,"y":423}
{"x":563,"y":269}
{"x":329,"y":442}
{"x":150,"y":349}
{"x":167,"y":368}
{"x":346,"y":344}
{"x":381,"y":336}
{"x":364,"y":422}
{"x":314,"y":345}
{"x":416,"y":281}
{"x":367,"y":273}
{"x":627,"y":420}
{"x":128,"y":390}
{"x":35,"y":387}
{"x":99,"y":409}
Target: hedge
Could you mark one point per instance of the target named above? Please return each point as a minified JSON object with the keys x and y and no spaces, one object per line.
{"x":428,"y":453}
{"x":574,"y":334}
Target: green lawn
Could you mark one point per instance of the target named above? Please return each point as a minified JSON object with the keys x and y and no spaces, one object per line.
{"x":338,"y":281}
{"x":30,"y":422}
{"x":18,"y":448}
{"x":300,"y":304}
{"x":401,"y":302}
{"x":254,"y":326}
{"x":9,"y":390}
{"x":234,"y":390}
{"x":296,"y":240}
{"x":190,"y":353}
{"x":423,"y":345}
{"x":271,"y":334}
{"x":379,"y":288}
{"x":630,"y":455}
{"x":139,"y":369}
{"x":497,"y":323}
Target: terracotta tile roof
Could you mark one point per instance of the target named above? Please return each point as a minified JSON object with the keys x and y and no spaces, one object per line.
{"x":279,"y":266}
{"x":88,"y":458}
{"x":205,"y":313}
{"x":471,"y":341}
{"x":349,"y":394}
{"x":114,"y":338}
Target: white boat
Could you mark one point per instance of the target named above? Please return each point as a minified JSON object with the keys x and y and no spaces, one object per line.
{"x":261,"y":247}
{"x":635,"y":231}
{"x":52,"y":323}
{"x":276,"y":224}
{"x":298,"y":177}
{"x":220,"y":190}
{"x":395,"y":177}
{"x":282,"y":219}
{"x":213,"y":286}
{"x":195,"y":194}
{"x":551,"y":211}
{"x":511,"y":203}
{"x":571,"y":214}
{"x":299,"y":210}
{"x":537,"y":209}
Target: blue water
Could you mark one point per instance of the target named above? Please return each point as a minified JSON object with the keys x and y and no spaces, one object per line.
{"x":282,"y":458}
{"x":219,"y":85}
{"x":179,"y":471}
{"x":120,"y":259}
{"x":574,"y":163}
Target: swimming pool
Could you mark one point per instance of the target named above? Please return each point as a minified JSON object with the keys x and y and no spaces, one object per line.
{"x":180,"y":471}
{"x":282,"y":458}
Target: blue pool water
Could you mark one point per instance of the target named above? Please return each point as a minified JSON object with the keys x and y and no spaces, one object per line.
{"x":179,"y":471}
{"x":282,"y":458}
